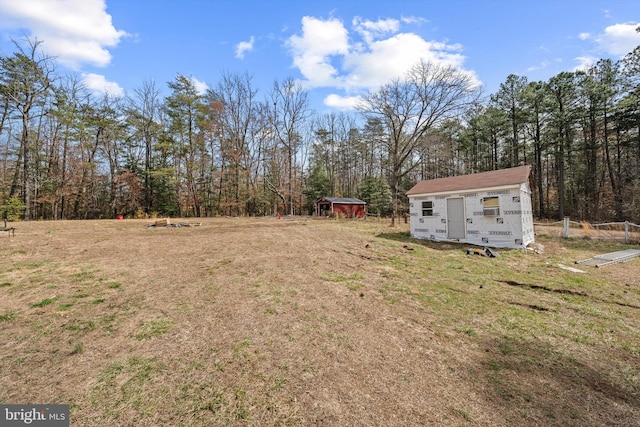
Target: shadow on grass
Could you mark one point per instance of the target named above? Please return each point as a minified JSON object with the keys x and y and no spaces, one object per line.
{"x":534,"y":382}
{"x":399,"y":236}
{"x":405,"y":237}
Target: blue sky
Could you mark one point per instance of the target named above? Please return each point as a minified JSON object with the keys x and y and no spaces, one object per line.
{"x":337,"y":49}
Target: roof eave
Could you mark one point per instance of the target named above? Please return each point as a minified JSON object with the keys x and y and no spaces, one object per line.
{"x":469,"y":190}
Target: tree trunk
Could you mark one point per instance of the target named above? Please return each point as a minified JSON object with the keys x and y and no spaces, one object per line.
{"x":26,"y":190}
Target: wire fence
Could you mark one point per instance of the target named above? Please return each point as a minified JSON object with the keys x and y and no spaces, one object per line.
{"x":625,"y":232}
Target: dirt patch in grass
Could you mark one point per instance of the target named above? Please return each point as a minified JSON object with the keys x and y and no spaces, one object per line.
{"x":312,"y":322}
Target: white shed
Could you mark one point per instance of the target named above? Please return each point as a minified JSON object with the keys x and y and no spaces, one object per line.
{"x":488,"y":209}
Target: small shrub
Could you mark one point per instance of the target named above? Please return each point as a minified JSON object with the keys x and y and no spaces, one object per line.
{"x":140,"y":214}
{"x":12,"y":208}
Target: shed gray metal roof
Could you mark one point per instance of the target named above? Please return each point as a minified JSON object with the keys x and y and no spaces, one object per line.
{"x":498,"y":178}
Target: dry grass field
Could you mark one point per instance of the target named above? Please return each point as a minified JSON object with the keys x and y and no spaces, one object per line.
{"x":263,"y":322}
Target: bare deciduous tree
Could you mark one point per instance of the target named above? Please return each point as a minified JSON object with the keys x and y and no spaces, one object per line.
{"x":290,"y":111}
{"x":234,"y":97}
{"x":409,"y":107}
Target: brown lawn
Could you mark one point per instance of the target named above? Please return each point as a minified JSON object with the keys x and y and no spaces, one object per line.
{"x":312,"y":322}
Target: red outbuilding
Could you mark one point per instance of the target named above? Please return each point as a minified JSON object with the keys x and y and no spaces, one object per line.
{"x":341,"y":206}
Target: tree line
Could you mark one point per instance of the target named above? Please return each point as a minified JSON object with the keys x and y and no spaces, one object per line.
{"x":66,"y":153}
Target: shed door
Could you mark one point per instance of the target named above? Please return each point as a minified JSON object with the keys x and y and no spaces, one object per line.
{"x":455,"y":218}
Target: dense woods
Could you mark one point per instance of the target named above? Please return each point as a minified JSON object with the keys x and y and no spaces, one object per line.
{"x":240,"y":150}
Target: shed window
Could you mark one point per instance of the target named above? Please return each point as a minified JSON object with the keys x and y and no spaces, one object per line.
{"x":491,"y":206}
{"x":427,"y":208}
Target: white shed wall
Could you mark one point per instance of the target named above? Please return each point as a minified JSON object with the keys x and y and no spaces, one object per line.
{"x":512,"y":228}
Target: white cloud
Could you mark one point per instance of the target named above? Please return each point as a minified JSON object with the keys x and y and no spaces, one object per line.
{"x":201,"y":87}
{"x":544,"y":49}
{"x":585,"y":62}
{"x":390,"y":58}
{"x":98,"y":84}
{"x":413,"y":20}
{"x":76,"y":32}
{"x":584,"y":36}
{"x":371,"y":30}
{"x":541,"y":66}
{"x":243,"y":47}
{"x":312,"y":51}
{"x":343,"y":103}
{"x":619,"y":39}
{"x":544,"y":64}
{"x":373,"y":53}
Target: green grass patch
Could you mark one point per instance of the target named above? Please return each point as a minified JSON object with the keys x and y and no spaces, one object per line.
{"x":335,"y":277}
{"x":460,"y":413}
{"x":468,"y":331}
{"x":43,"y":302}
{"x":84,"y":276}
{"x":81,"y":325}
{"x":153,"y":328}
{"x":32,"y":265}
{"x":122,"y":386}
{"x":109,"y":322}
{"x":5,"y":284}
{"x":77,"y":349}
{"x":65,"y":306}
{"x":8,"y":316}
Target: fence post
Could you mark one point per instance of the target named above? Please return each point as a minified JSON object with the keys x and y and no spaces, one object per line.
{"x":565,"y":228}
{"x":626,"y":231}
